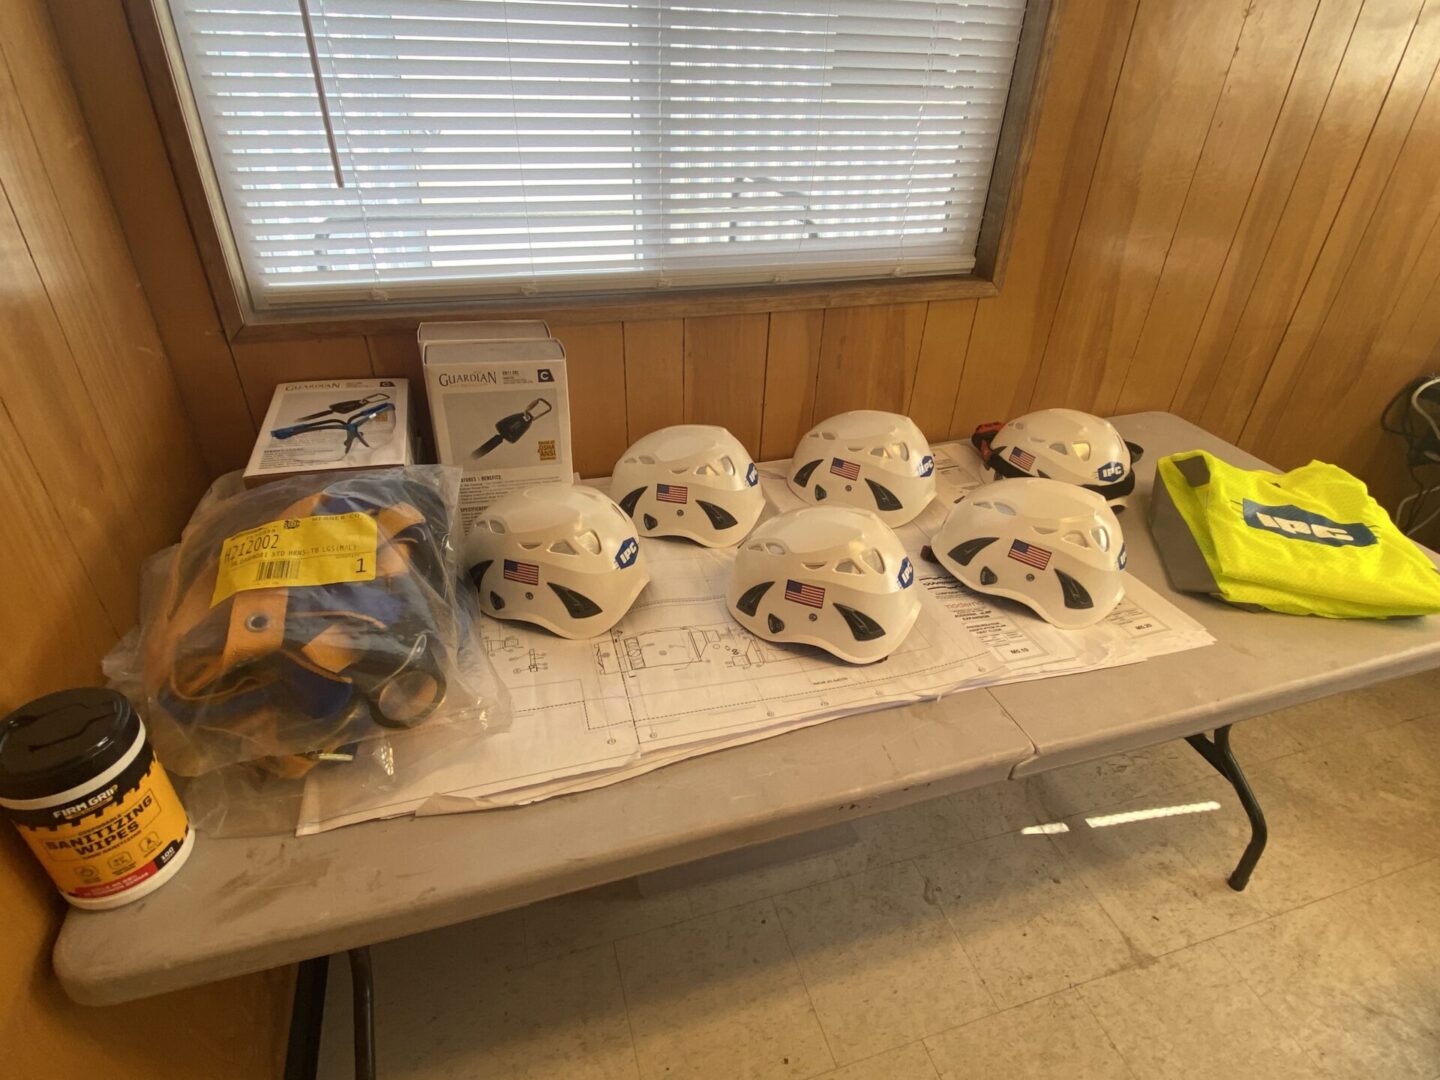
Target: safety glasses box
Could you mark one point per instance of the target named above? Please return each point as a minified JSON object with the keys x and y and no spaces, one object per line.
{"x":501,"y":412}
{"x":326,"y":424}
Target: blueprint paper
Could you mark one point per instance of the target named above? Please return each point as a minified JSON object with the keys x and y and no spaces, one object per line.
{"x":678,"y":677}
{"x":675,"y":674}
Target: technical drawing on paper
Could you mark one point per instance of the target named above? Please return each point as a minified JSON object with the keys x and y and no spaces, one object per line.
{"x":678,"y":646}
{"x":512,"y":654}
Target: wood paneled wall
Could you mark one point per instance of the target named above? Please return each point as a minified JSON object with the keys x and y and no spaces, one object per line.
{"x":99,"y":467}
{"x":1229,"y":212}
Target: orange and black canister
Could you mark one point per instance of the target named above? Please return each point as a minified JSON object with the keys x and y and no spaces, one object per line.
{"x":80,"y":781}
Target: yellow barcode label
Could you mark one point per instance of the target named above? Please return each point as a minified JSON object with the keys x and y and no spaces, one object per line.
{"x":321,"y":550}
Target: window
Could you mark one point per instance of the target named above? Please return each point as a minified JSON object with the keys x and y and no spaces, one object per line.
{"x":416,"y":150}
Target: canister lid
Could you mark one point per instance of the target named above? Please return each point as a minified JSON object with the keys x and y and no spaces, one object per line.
{"x":64,"y":740}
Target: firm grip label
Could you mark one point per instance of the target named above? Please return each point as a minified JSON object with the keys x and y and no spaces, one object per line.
{"x":109,"y":841}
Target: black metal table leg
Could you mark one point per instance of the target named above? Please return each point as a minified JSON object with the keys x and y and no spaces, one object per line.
{"x":307,"y":1013}
{"x":1218,"y":753}
{"x":362,"y":984}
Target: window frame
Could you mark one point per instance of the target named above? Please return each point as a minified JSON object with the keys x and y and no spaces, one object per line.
{"x":242,"y":321}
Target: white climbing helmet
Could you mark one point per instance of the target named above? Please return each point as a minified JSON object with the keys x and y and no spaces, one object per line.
{"x":1061,"y":444}
{"x":872,"y":460}
{"x":690,"y":480}
{"x":829,"y":576}
{"x":1054,"y":547}
{"x":561,"y":556}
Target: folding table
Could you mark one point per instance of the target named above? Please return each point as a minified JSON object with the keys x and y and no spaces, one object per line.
{"x":244,"y":905}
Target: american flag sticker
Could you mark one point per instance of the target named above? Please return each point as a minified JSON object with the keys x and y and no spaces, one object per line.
{"x":850,"y":470}
{"x":809,"y":595}
{"x":672,"y":493}
{"x":1030,"y":554}
{"x":527,"y":573}
{"x":1021,"y":458}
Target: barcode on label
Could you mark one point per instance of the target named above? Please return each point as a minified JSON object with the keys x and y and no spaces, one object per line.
{"x":277,"y":568}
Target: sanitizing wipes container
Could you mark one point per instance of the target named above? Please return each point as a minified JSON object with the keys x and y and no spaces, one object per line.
{"x":81,"y":783}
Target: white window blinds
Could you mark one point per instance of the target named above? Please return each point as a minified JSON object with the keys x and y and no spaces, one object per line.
{"x":514,"y":147}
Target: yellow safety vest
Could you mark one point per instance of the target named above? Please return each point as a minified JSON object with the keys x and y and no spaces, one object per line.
{"x":1308,"y":542}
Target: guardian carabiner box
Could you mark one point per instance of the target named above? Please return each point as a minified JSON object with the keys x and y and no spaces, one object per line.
{"x":499,"y":404}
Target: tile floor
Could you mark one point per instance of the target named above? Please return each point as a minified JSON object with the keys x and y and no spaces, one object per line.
{"x":955,"y":939}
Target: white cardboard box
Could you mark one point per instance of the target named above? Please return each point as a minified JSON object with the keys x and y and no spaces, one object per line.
{"x":321,"y":425}
{"x":500,"y":408}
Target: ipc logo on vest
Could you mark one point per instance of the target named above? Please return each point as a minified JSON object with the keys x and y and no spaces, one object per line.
{"x":1297,"y":524}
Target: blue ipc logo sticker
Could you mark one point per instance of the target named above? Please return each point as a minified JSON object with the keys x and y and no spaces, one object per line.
{"x":1296,"y":524}
{"x":628,"y":553}
{"x":906,"y":576}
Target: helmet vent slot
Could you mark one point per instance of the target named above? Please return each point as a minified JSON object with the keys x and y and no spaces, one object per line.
{"x":775,"y":549}
{"x":727,"y":465}
{"x":828,"y":436}
{"x":563,"y":547}
{"x":1102,"y":537}
{"x":647,"y":459}
{"x":963,"y":553}
{"x":1076,"y":538}
{"x":813,"y":565}
{"x":720,"y":518}
{"x":885,"y":499}
{"x":901,"y":450}
{"x":874,"y":560}
{"x":1005,"y":508}
{"x":706,"y":470}
{"x":497,"y":526}
{"x":577,"y":605}
{"x":1082,"y":450}
{"x":1060,"y":448}
{"x":1044,"y":530}
{"x":879,"y":451}
{"x":749,"y":601}
{"x":862,"y":626}
{"x":530,"y":545}
{"x":802,"y":475}
{"x":848,"y":566}
{"x":1075,"y":594}
{"x":590,"y":541}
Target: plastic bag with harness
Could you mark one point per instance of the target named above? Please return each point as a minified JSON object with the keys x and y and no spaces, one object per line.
{"x":299,"y":619}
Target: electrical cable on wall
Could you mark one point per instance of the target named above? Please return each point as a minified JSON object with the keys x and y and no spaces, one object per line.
{"x":1414,"y":414}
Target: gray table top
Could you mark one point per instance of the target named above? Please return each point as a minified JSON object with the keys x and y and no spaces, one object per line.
{"x":244,"y":905}
{"x":1261,"y":660}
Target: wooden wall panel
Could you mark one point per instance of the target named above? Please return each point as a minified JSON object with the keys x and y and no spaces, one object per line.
{"x":1206,"y":184}
{"x":1343,"y":361}
{"x":1010,"y":331}
{"x":943,"y":345}
{"x":868,"y":358}
{"x":107,"y":78}
{"x":101,"y":467}
{"x":725,"y":373}
{"x":1271,"y":40}
{"x":654,"y":375}
{"x":1237,"y":353}
{"x":264,"y":364}
{"x":1168,"y":90}
{"x":595,"y":366}
{"x":1407,"y":212}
